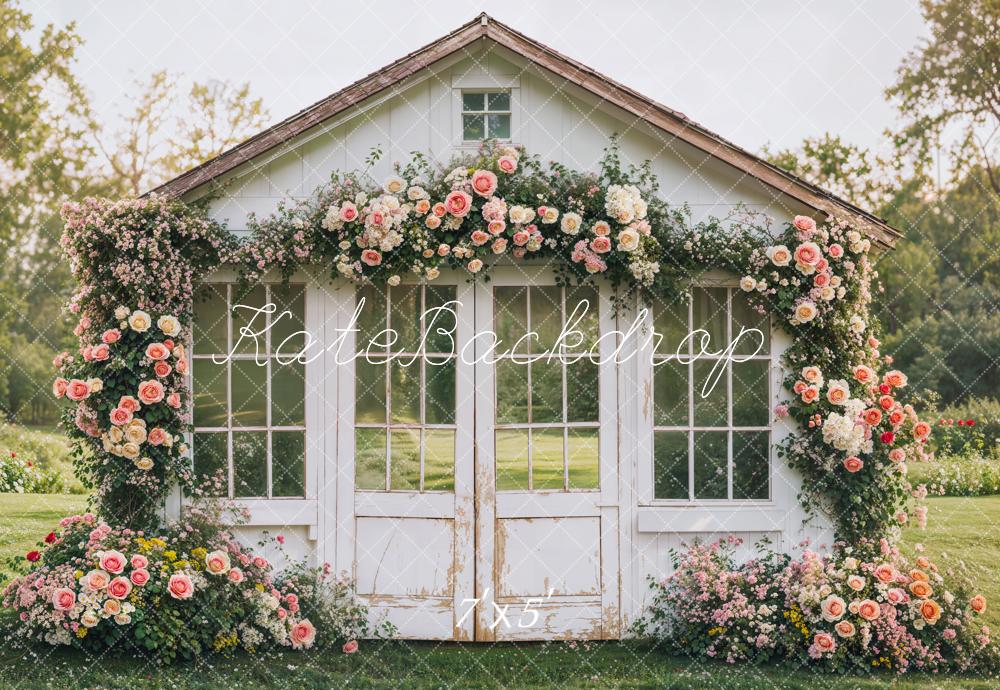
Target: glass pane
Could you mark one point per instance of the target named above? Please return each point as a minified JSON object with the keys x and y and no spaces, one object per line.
{"x":547,"y":459}
{"x":710,"y":315}
{"x":744,"y":316}
{"x":670,"y":393}
{"x":473,"y":127}
{"x":710,"y":451}
{"x":249,"y":393}
{"x":405,"y":317}
{"x":405,"y":386}
{"x":439,"y":460}
{"x":473,"y":101}
{"x":750,"y":393}
{"x":710,"y":392}
{"x":250,"y":464}
{"x":404,"y":465}
{"x":439,"y":392}
{"x":512,"y":392}
{"x":498,"y":101}
{"x":498,"y":126}
{"x":369,"y":458}
{"x":248,"y":315}
{"x":371,"y":320}
{"x":369,"y":391}
{"x":512,"y":459}
{"x":211,"y":460}
{"x":670,"y":321}
{"x":546,"y":317}
{"x":750,"y":465}
{"x":546,"y":391}
{"x":582,"y":458}
{"x":510,"y":318}
{"x":582,"y":394}
{"x":209,"y":393}
{"x":288,"y":463}
{"x":210,"y":327}
{"x":288,"y":394}
{"x":435,"y":297}
{"x":670,"y":464}
{"x":586,"y":320}
{"x":288,"y":323}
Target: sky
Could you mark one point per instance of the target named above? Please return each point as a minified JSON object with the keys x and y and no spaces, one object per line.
{"x":758,"y":73}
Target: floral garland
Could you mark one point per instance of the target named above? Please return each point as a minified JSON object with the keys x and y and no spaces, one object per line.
{"x":502,"y":204}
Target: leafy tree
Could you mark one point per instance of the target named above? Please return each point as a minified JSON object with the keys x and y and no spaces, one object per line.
{"x":952,"y":81}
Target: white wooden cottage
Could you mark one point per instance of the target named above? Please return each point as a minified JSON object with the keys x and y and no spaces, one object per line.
{"x":459,"y":516}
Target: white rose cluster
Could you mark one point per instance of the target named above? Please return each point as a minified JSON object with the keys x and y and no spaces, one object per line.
{"x":844,"y":431}
{"x":625,"y":203}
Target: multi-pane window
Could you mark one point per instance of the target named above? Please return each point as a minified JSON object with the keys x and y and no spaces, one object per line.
{"x":485,"y":115}
{"x":546,"y":433}
{"x":404,"y":413}
{"x":249,"y":407}
{"x":711,"y":415}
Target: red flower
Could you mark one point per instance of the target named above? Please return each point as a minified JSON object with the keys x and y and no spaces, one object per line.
{"x":33,"y":556}
{"x":50,"y":538}
{"x":961,"y":422}
{"x":888,"y":437}
{"x":884,"y":389}
{"x":971,"y":422}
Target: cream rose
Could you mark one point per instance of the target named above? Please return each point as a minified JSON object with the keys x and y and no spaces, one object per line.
{"x":628,"y":240}
{"x":169,"y":325}
{"x":571,"y":223}
{"x":805,"y":312}
{"x":779,"y":255}
{"x":217,"y":562}
{"x":139,"y":321}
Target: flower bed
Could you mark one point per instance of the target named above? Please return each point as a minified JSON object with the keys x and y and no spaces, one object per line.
{"x":856,"y":608}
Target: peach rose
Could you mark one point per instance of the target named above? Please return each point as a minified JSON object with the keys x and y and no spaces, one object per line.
{"x":235,"y":575}
{"x":174,"y":400}
{"x":157,"y":436}
{"x":371,"y":257}
{"x":111,"y":336}
{"x":921,"y":589}
{"x":863,"y":373}
{"x":869,"y":609}
{"x":856,"y":582}
{"x":458,"y":203}
{"x":63,"y":599}
{"x":112,"y":607}
{"x":779,"y":255}
{"x":180,"y":586}
{"x":95,"y":580}
{"x":499,"y":245}
{"x":422,"y":206}
{"x":923,"y":562}
{"x":150,"y":392}
{"x":837,"y":392}
{"x":139,"y":577}
{"x":930,"y":610}
{"x":479,"y":237}
{"x":120,"y":417}
{"x":496,"y":227}
{"x":119,"y":588}
{"x":350,"y":647}
{"x":157,"y":351}
{"x":433,"y":222}
{"x":439,"y":210}
{"x":181,"y":365}
{"x":872,"y":416}
{"x":919,"y":575}
{"x":835,"y":250}
{"x":886,"y":402}
{"x":853,"y":464}
{"x":507,"y":164}
{"x":804,"y":223}
{"x":113,"y":561}
{"x":217,"y":562}
{"x":77,"y":390}
{"x":894,"y":378}
{"x":808,"y":254}
{"x":885,"y":573}
{"x":978,"y":603}
{"x":921,"y":430}
{"x":845,"y":628}
{"x":484,"y":183}
{"x":475,"y":266}
{"x":824,"y":643}
{"x":101,"y":353}
{"x":810,"y":394}
{"x":833,"y":608}
{"x":127,"y":402}
{"x":601,"y":244}
{"x":799,"y":387}
{"x":59,"y":387}
{"x":805,"y":311}
{"x":896,"y":417}
{"x":302,"y":634}
{"x":162,"y":369}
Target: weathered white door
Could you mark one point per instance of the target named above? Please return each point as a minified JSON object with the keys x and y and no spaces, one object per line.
{"x":546,"y":460}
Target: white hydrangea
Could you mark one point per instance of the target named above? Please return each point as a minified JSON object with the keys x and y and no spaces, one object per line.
{"x":625,"y":203}
{"x":844,"y":432}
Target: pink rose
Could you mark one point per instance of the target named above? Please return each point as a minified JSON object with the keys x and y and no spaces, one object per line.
{"x":804,"y":223}
{"x":174,"y":400}
{"x":439,"y":209}
{"x":458,"y":203}
{"x":180,"y":586}
{"x":896,"y":595}
{"x":484,"y":183}
{"x":157,"y":436}
{"x":433,"y":222}
{"x":350,"y":647}
{"x":869,"y":609}
{"x":120,"y":417}
{"x":150,"y":392}
{"x":119,"y":588}
{"x":302,"y":634}
{"x":348,"y":212}
{"x":371,"y":257}
{"x":475,"y":266}
{"x":162,"y":369}
{"x":77,"y":390}
{"x":507,"y":164}
{"x":157,"y":351}
{"x":181,"y":365}
{"x":63,"y":599}
{"x":856,"y":582}
{"x":127,"y":402}
{"x":101,"y":353}
{"x":113,"y":561}
{"x":853,"y":464}
{"x":521,"y":238}
{"x":260,"y":562}
{"x":235,"y":575}
{"x":111,"y":336}
{"x":835,"y":251}
{"x":139,"y":577}
{"x":292,"y":598}
{"x":824,"y":643}
{"x":808,"y":253}
{"x":59,"y":387}
{"x":499,"y":245}
{"x":885,"y":573}
{"x":95,"y":580}
{"x":601,"y":244}
{"x":480,"y":238}
{"x":496,"y":227}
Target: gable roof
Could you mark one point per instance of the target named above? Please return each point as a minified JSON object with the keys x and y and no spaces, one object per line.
{"x":660,"y":116}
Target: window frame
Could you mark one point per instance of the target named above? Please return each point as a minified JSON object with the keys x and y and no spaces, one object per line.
{"x":483,"y":82}
{"x":309,"y":429}
{"x":648,"y":428}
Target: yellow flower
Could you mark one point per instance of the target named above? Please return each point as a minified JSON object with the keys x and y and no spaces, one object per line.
{"x":78,"y":574}
{"x":199,"y":553}
{"x":170,"y":555}
{"x":259,"y":586}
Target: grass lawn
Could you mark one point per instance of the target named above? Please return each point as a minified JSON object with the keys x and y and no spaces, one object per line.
{"x":965,"y":528}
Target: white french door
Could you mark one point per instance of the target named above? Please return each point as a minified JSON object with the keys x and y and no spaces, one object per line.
{"x":477,"y":484}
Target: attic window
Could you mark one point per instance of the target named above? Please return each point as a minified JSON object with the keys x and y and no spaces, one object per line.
{"x":485,"y":115}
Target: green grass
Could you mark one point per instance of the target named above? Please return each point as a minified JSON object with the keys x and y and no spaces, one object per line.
{"x":965,"y":528}
{"x":47,"y":447}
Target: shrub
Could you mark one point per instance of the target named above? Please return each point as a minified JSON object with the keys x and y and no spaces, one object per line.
{"x":857,"y":609}
{"x":19,"y":476}
{"x":49,"y":451}
{"x":957,"y":475}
